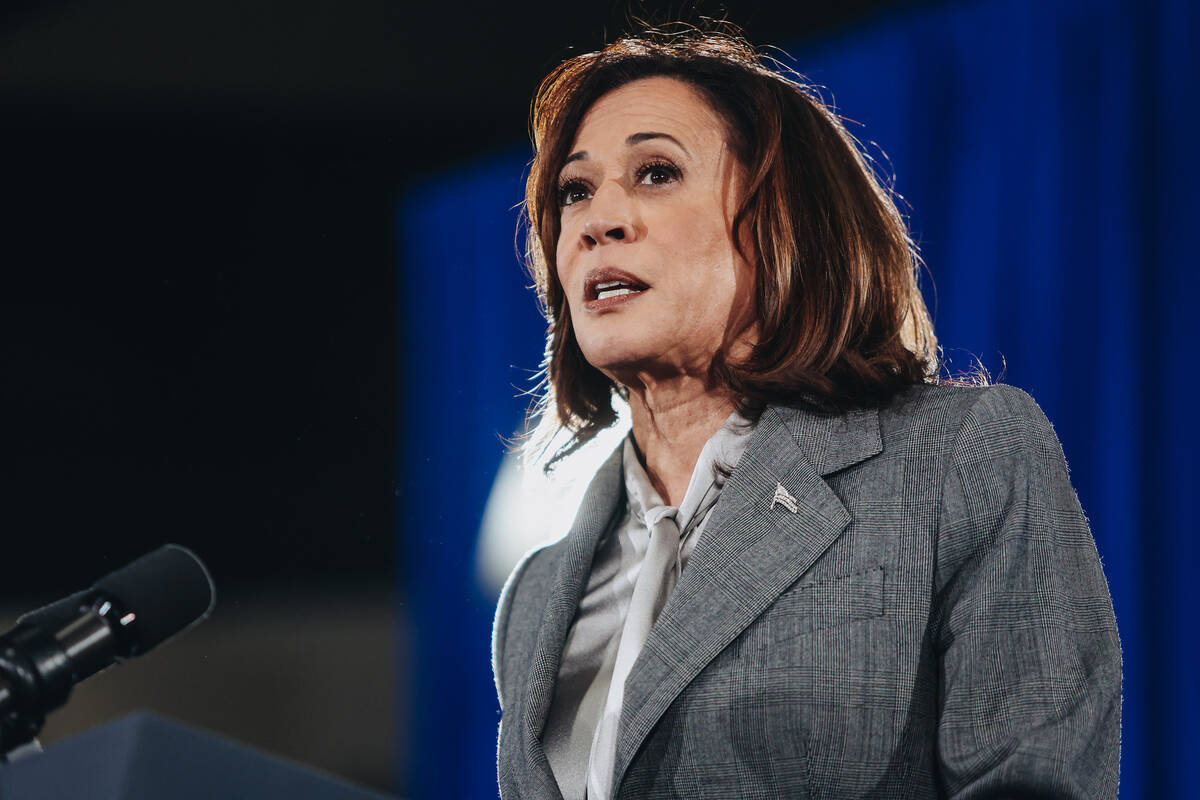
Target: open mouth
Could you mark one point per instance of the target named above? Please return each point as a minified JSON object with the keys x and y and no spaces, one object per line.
{"x":609,"y":289}
{"x":608,"y":284}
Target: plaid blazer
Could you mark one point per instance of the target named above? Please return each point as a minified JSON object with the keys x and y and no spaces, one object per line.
{"x":931,"y":621}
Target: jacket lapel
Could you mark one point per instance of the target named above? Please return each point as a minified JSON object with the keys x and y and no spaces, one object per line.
{"x":749,"y":553}
{"x":604,"y":498}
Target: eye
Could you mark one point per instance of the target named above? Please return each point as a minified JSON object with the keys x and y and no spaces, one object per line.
{"x":656,"y":173}
{"x":571,"y":192}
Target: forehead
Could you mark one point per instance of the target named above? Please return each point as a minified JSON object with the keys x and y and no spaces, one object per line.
{"x":658,"y":104}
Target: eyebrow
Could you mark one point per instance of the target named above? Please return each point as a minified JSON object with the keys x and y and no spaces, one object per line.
{"x":632,"y":139}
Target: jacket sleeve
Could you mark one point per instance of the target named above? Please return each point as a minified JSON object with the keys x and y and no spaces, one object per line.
{"x":1030,"y":661}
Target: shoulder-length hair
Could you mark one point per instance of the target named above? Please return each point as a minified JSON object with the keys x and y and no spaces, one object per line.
{"x":841,"y":321}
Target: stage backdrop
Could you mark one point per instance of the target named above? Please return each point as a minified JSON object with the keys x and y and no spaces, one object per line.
{"x":1044,"y":152}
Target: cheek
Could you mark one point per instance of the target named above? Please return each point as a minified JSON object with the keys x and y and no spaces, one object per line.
{"x":713,"y":263}
{"x":563,"y":269}
{"x":560,"y":247}
{"x":720,"y":282}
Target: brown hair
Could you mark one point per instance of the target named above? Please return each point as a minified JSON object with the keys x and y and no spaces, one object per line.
{"x":841,"y":320}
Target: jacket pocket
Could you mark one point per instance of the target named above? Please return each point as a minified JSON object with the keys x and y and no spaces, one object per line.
{"x":826,"y":603}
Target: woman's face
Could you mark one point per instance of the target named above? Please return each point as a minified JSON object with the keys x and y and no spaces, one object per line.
{"x":646,"y":253}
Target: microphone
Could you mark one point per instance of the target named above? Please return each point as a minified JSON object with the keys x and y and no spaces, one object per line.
{"x":125,"y":614}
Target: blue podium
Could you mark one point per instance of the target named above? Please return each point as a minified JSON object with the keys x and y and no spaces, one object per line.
{"x":147,"y":757}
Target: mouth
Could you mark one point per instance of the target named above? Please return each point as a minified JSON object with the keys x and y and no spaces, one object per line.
{"x":604,"y":288}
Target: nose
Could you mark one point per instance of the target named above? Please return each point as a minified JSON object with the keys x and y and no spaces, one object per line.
{"x":610,"y":217}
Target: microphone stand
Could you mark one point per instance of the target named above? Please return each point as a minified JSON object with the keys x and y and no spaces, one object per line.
{"x":39,"y":668}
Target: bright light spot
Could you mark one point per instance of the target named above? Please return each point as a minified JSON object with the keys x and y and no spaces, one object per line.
{"x":527,"y":509}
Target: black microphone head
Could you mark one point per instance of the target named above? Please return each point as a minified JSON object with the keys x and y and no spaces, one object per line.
{"x":167,"y":590}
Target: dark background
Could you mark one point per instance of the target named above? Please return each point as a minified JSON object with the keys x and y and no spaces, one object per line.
{"x":198,"y":337}
{"x":198,"y":333}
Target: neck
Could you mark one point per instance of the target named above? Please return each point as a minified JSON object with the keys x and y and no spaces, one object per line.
{"x":671,"y":423}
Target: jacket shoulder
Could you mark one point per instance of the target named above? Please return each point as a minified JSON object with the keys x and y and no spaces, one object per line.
{"x":967,"y":422}
{"x":533,"y":575}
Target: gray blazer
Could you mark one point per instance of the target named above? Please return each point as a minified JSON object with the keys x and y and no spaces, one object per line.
{"x":932,"y":621}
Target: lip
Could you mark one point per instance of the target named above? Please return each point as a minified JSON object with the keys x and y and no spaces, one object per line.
{"x":608,"y":275}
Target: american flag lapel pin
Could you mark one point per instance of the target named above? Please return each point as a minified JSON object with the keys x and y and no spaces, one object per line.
{"x":784,"y":498}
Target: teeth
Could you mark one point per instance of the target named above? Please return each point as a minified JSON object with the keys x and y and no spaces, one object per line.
{"x":617,"y":292}
{"x":608,"y":289}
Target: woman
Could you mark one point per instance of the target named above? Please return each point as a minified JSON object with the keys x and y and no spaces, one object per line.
{"x":812,"y":570}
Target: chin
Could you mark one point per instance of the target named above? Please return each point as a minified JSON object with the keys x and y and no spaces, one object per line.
{"x":614,"y":353}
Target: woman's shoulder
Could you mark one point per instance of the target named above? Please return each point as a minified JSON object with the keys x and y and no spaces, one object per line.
{"x":959,"y":399}
{"x":534,"y":573}
{"x":536,"y":567}
{"x":967,"y":420}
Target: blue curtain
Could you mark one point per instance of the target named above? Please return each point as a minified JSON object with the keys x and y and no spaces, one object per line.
{"x":1043,"y":150}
